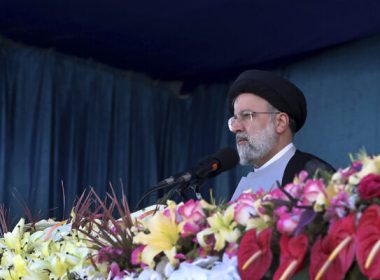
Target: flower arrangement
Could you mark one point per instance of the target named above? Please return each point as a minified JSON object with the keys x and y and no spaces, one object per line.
{"x":45,"y":250}
{"x":326,"y":228}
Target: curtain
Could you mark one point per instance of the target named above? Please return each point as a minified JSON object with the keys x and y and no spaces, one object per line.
{"x":342,"y":88}
{"x":69,"y":124}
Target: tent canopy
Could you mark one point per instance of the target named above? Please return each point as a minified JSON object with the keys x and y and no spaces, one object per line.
{"x":192,"y":41}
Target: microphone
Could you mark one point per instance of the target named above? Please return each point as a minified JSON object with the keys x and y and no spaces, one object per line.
{"x":208,"y":167}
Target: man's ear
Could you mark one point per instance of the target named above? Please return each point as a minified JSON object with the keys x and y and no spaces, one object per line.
{"x":282,"y":122}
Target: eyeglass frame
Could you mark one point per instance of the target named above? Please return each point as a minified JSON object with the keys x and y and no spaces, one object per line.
{"x":244,"y":115}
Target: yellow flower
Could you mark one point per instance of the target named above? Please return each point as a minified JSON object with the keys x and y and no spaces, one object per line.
{"x":162,"y":237}
{"x":320,"y":203}
{"x":376,"y":160}
{"x":223,"y":227}
{"x":207,"y":206}
{"x":58,"y":265}
{"x":370,"y":165}
{"x":19,"y":265}
{"x":258,"y":223}
{"x":31,"y":256}
{"x":12,"y":240}
{"x":16,"y":268}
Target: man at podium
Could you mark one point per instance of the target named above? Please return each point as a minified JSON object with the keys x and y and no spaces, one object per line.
{"x":268,"y":111}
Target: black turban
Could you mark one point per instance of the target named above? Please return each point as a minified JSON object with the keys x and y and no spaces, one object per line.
{"x":279,"y":92}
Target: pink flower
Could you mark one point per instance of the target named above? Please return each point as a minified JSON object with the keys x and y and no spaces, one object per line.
{"x":357,"y":165}
{"x":339,"y":207}
{"x":246,"y":198}
{"x":278,"y":194}
{"x":369,"y":186}
{"x":136,"y":255}
{"x":244,"y":208}
{"x":191,"y":211}
{"x":106,"y":254}
{"x":260,"y":193}
{"x":115,"y":270}
{"x":287,"y":221}
{"x":180,"y":256}
{"x":302,"y":176}
{"x":249,"y":196}
{"x":169,"y":212}
{"x":242,"y":213}
{"x":354,"y":168}
{"x":311,"y":190}
{"x":193,"y":217}
{"x":295,"y":190}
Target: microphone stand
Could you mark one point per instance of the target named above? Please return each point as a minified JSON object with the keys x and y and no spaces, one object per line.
{"x":158,"y":187}
{"x":195,"y":187}
{"x":179,"y":190}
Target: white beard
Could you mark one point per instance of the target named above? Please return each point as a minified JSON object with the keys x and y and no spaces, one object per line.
{"x":257,"y":146}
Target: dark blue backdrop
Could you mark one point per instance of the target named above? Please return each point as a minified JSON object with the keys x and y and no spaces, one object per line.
{"x":193,"y":41}
{"x":84,"y":124}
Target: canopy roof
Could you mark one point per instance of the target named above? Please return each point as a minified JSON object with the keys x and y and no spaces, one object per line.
{"x":194,"y":41}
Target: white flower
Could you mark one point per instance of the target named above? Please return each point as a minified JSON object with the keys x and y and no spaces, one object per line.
{"x":189,"y":271}
{"x":164,"y":267}
{"x":150,"y":274}
{"x":226,"y":270}
{"x":206,"y":261}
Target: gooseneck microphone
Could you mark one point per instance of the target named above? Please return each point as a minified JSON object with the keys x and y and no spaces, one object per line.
{"x":206,"y":168}
{"x":211,"y":166}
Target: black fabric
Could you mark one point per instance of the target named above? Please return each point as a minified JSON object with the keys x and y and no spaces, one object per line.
{"x":193,"y":41}
{"x":279,"y":92}
{"x":304,"y":161}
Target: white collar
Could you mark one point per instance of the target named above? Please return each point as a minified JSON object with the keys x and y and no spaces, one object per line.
{"x":276,"y":156}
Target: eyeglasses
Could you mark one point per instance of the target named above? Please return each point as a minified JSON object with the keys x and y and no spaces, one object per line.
{"x":244,"y":117}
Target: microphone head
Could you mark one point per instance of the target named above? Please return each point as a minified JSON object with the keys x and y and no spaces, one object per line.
{"x":228,"y":158}
{"x":219,"y":162}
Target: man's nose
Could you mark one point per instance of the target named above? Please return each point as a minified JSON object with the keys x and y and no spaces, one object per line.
{"x":236,"y":127}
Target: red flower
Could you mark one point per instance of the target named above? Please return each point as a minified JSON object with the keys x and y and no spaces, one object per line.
{"x":293,"y":251}
{"x":368,"y":236}
{"x":255,"y":255}
{"x":369,"y":186}
{"x":332,"y":256}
